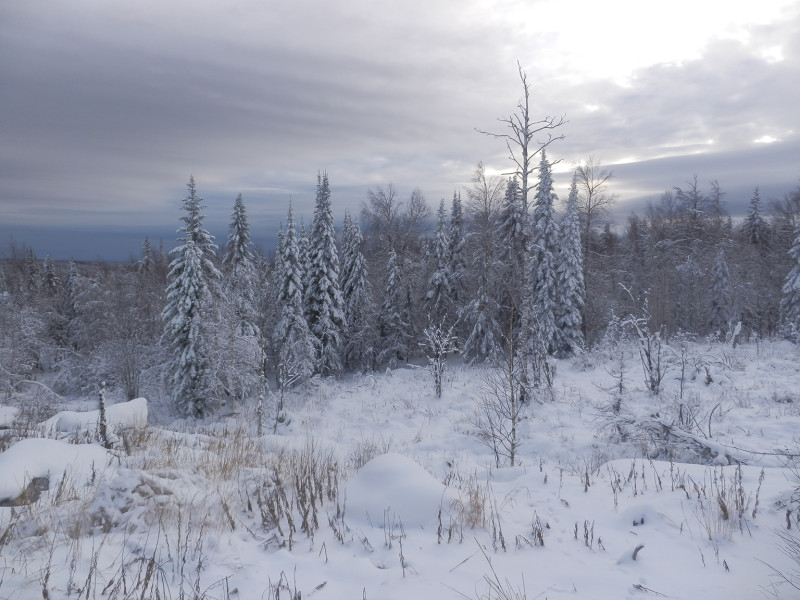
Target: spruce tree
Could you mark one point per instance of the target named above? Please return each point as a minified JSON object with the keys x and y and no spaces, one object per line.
{"x":51,"y":282}
{"x":457,"y":251}
{"x":296,"y":345}
{"x":438,"y":296}
{"x":754,"y":227}
{"x":720,"y":296}
{"x":541,"y":284}
{"x":480,"y":315}
{"x":278,"y":275}
{"x":569,"y":281}
{"x":790,"y":303}
{"x":304,"y":257}
{"x":188,"y":314}
{"x":512,"y":242}
{"x":239,"y":272}
{"x":392,"y":327}
{"x":146,"y":264}
{"x":324,"y":303}
{"x":355,"y":297}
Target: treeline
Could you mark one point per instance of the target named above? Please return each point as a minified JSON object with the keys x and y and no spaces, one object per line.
{"x":498,"y":275}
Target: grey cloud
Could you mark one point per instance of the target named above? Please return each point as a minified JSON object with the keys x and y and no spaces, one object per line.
{"x":108,"y":108}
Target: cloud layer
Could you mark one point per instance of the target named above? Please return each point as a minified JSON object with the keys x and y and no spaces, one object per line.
{"x":107,"y":108}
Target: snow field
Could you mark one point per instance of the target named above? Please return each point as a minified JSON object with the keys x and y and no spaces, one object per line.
{"x":375,"y":489}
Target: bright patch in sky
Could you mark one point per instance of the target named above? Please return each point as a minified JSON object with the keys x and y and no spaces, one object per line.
{"x":613,"y":39}
{"x":766,"y":139}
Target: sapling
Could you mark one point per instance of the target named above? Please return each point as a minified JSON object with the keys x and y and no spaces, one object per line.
{"x":439,"y":341}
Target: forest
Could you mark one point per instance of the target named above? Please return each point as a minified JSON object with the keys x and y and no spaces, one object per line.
{"x":487,"y":274}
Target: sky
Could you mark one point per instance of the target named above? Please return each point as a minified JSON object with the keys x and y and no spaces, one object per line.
{"x":107,"y":108}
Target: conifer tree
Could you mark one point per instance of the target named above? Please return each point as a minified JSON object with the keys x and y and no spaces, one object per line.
{"x":278,"y":274}
{"x":51,"y":282}
{"x":790,"y":303}
{"x":146,"y":263}
{"x":456,"y":251}
{"x":720,"y":296}
{"x":324,"y":303}
{"x":188,"y":314}
{"x":355,"y":297}
{"x":754,"y":226}
{"x":392,"y":327}
{"x":569,"y":281}
{"x":304,"y":257}
{"x":480,"y":315}
{"x":512,"y":242}
{"x":513,"y":219}
{"x":540,"y":301}
{"x":239,"y":272}
{"x":32,"y":275}
{"x":296,"y":345}
{"x":438,"y":296}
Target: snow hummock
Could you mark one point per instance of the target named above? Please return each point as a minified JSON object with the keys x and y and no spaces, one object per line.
{"x":125,"y":414}
{"x":393,"y":488}
{"x":39,"y":457}
{"x":7,"y":415}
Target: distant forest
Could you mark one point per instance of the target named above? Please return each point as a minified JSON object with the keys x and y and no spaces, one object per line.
{"x":498,"y":275}
{"x":509,"y":275}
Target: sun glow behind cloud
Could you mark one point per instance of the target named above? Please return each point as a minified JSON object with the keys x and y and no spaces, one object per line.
{"x":611,"y":40}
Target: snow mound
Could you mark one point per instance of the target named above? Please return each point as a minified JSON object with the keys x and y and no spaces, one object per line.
{"x":7,"y":415}
{"x":130,"y":497}
{"x":38,"y":457}
{"x":393,"y":489}
{"x":118,"y":416}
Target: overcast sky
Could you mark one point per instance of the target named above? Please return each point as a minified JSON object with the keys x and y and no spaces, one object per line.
{"x":107,"y":108}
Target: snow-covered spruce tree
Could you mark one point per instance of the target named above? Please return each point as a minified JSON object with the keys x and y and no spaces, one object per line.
{"x":512,"y":246}
{"x":790,"y":303}
{"x":569,"y":276}
{"x":359,"y":346}
{"x":457,"y":252}
{"x":392,"y":328}
{"x":236,"y":350}
{"x":51,"y":282}
{"x":513,"y":231}
{"x":239,"y":272}
{"x":438,"y":296}
{"x":720,"y":297}
{"x":304,"y":256}
{"x":33,"y":278}
{"x":278,"y":274}
{"x":146,"y":263}
{"x":543,"y":247}
{"x":480,"y":316}
{"x":754,"y":227}
{"x":190,"y":298}
{"x":324,"y":302}
{"x":296,"y":345}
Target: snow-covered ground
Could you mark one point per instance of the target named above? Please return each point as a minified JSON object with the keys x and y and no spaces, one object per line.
{"x":373,"y":488}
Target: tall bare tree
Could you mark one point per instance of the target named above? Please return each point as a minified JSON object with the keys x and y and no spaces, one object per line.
{"x":522,"y":136}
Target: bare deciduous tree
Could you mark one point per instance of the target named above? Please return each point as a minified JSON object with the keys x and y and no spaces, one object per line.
{"x":594,"y":201}
{"x":521,"y":138}
{"x":392,"y":220}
